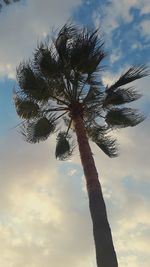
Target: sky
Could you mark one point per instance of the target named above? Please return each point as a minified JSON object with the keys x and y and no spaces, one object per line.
{"x":44,"y":215}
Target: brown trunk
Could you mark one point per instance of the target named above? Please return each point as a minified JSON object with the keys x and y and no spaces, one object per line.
{"x":105,"y":253}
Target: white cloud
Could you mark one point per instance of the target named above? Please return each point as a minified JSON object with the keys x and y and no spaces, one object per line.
{"x":115,"y":56}
{"x":145,"y":28}
{"x":43,"y":214}
{"x":145,"y":9}
{"x":125,"y":183}
{"x":21,"y":25}
{"x":136,"y":45}
{"x":44,"y":217}
{"x":116,"y":12}
{"x":44,"y":209}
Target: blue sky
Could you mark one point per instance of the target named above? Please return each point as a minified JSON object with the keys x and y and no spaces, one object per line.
{"x":44,"y":206}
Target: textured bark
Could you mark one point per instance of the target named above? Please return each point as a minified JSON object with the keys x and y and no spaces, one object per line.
{"x":105,"y":253}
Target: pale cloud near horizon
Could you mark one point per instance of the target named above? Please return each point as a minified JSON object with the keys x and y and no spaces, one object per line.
{"x":40,"y":215}
{"x":125,"y":181}
{"x":45,"y":215}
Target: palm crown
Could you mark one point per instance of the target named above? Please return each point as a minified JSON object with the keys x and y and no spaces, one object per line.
{"x":63,"y":81}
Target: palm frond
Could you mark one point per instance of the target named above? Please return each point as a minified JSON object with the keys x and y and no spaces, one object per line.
{"x":94,"y":80}
{"x":94,"y":130}
{"x":134,"y":73}
{"x":55,"y":72}
{"x":37,"y":130}
{"x":64,"y":148}
{"x":67,"y":121}
{"x":87,"y":52}
{"x":31,"y":85}
{"x":108,"y":146}
{"x":124,"y":117}
{"x":64,"y":37}
{"x":94,"y":95}
{"x":105,"y":142}
{"x":120,"y":96}
{"x":26,"y":109}
{"x":63,"y":81}
{"x":93,"y":110}
{"x":45,"y":62}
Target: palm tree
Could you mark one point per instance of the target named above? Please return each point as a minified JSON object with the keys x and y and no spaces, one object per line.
{"x":63,"y":82}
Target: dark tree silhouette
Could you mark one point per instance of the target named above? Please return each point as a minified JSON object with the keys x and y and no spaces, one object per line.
{"x":63,"y":81}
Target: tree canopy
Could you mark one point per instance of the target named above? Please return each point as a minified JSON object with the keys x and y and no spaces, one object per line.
{"x":63,"y":80}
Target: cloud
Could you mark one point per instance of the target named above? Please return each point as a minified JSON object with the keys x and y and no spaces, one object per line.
{"x":145,"y":9}
{"x":145,"y":28}
{"x":125,"y":184}
{"x":44,"y":206}
{"x":114,"y":13}
{"x":115,"y":56}
{"x":43,"y":215}
{"x":117,"y":12}
{"x":23,"y":24}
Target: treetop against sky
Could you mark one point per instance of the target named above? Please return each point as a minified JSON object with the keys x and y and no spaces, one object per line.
{"x":34,"y":197}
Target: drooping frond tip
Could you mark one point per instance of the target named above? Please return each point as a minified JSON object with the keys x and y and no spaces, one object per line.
{"x":105,"y":142}
{"x":108,"y":145}
{"x":64,"y":148}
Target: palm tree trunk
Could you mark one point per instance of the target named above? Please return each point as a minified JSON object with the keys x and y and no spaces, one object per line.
{"x":105,"y":253}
